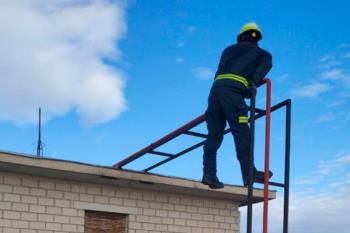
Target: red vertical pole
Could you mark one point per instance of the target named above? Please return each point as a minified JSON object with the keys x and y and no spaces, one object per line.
{"x":267,"y":154}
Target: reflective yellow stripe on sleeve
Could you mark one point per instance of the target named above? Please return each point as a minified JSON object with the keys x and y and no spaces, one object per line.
{"x":242,"y":119}
{"x":233,"y":77}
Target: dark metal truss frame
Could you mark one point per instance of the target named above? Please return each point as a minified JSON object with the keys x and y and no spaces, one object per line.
{"x":255,"y":113}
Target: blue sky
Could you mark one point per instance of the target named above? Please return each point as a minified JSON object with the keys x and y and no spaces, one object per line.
{"x":146,"y":68}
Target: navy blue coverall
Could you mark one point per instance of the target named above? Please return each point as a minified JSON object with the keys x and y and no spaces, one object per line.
{"x":241,"y":65}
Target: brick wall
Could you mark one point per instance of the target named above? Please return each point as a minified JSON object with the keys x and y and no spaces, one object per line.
{"x":30,"y":204}
{"x":100,"y":222}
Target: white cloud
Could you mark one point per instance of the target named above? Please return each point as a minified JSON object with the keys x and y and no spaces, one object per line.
{"x":338,"y":116}
{"x":347,"y":119}
{"x":179,"y":60}
{"x":312,"y":90}
{"x":315,"y":212}
{"x":343,"y":45}
{"x":328,"y":166}
{"x":326,"y":118}
{"x":312,"y":209}
{"x":335,"y":103}
{"x":331,"y":64}
{"x":283,"y":77}
{"x":180,"y":44}
{"x":101,"y":137}
{"x":340,"y":77}
{"x":203,"y":73}
{"x":191,"y":28}
{"x":327,"y":58}
{"x":323,"y":169}
{"x":52,"y":56}
{"x":333,"y":74}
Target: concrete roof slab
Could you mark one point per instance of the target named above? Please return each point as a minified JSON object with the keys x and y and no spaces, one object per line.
{"x":76,"y":171}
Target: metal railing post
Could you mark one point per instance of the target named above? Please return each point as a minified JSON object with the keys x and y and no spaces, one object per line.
{"x":251,"y":167}
{"x":267,"y":154}
{"x":287,"y":165}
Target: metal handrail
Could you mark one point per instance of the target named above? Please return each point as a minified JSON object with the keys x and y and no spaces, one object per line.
{"x":267,"y":153}
{"x":161,"y":141}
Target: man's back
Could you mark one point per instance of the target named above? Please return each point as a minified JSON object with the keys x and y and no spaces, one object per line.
{"x":246,"y":60}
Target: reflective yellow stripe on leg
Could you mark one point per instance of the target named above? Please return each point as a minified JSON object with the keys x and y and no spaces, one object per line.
{"x":242,"y":119}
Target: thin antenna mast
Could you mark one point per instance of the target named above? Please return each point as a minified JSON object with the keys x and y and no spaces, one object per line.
{"x":39,"y":149}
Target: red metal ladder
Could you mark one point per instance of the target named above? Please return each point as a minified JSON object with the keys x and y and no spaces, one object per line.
{"x":255,"y":113}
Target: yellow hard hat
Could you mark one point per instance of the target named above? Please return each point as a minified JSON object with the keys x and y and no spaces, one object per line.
{"x":250,"y":26}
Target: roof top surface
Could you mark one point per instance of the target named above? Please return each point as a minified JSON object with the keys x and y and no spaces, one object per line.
{"x":77,"y":171}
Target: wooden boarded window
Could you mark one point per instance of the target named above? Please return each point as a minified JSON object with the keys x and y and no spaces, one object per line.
{"x":102,"y":222}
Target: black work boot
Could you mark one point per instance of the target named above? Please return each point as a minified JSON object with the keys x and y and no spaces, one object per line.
{"x":209,"y":171}
{"x":212,"y":181}
{"x":258,"y":177}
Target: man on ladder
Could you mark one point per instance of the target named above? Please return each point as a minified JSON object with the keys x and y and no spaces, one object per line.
{"x":242,"y":68}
